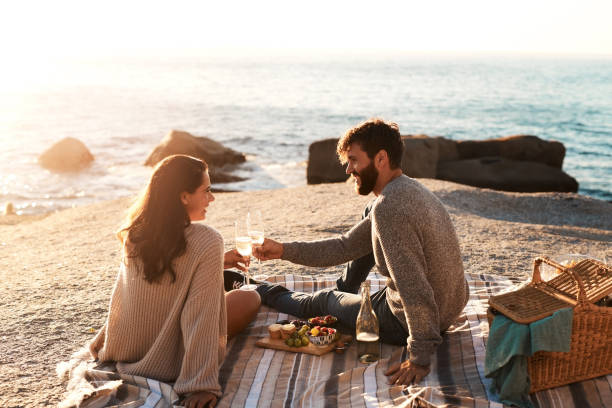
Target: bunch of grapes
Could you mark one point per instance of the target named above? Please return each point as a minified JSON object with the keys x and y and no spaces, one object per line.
{"x":298,"y":338}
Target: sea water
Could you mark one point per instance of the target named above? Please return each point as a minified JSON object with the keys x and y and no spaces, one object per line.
{"x":272,"y":108}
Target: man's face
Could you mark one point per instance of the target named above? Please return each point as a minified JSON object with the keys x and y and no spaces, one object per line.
{"x":362,"y":168}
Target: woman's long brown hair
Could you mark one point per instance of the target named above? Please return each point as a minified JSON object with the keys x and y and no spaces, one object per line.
{"x":155,"y":224}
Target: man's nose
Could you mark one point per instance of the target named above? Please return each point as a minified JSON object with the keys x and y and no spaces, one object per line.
{"x":349,"y":168}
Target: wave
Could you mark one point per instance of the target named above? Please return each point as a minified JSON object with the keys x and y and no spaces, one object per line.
{"x":597,"y":193}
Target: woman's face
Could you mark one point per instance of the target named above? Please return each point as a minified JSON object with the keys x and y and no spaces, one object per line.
{"x":196,"y":203}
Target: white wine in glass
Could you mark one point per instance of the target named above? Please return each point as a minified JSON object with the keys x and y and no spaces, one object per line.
{"x":256,"y":233}
{"x":244,"y":247}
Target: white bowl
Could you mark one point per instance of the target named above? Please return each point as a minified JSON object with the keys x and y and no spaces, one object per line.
{"x":322,"y":340}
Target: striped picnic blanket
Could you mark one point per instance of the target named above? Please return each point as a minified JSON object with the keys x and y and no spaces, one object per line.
{"x":256,"y":377}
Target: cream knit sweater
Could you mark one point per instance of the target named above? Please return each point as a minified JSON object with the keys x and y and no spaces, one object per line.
{"x":173,"y":332}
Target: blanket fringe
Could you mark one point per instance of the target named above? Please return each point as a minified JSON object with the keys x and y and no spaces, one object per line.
{"x":79,"y":388}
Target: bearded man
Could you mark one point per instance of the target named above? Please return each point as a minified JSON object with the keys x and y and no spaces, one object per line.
{"x":414,"y":244}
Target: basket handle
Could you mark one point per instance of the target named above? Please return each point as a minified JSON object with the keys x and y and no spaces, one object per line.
{"x":537,"y":277}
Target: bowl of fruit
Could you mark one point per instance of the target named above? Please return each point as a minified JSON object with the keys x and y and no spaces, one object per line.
{"x":328,"y":320}
{"x":321,"y":336}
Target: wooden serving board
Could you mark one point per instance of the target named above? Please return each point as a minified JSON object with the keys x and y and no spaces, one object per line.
{"x":279,"y":344}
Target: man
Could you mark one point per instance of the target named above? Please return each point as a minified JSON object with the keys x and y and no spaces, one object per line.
{"x":414,"y":245}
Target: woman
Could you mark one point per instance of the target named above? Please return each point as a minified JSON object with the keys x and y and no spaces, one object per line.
{"x":169,"y":316}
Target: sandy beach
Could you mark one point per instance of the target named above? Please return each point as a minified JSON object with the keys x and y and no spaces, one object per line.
{"x":57,"y":271}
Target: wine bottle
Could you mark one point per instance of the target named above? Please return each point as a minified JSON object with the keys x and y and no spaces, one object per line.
{"x":366,"y":328}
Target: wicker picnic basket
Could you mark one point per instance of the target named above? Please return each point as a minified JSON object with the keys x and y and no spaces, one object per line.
{"x":579,"y":286}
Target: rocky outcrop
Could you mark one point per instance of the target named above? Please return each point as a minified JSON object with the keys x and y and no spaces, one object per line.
{"x":420,"y":157}
{"x":180,"y":142}
{"x":69,"y":154}
{"x":214,"y":153}
{"x":517,"y":147}
{"x":419,"y":160}
{"x":500,"y":173}
{"x":521,"y":163}
{"x":323,"y":164}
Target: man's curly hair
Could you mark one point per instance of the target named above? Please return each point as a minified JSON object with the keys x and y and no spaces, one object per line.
{"x":373,"y":136}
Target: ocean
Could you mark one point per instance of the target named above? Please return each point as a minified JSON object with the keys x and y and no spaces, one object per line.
{"x":272,"y":108}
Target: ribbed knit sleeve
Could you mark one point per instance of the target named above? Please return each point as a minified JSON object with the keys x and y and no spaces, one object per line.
{"x":334,"y":251}
{"x":203,"y":324}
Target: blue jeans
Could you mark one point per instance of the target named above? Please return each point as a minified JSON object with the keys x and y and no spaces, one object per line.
{"x":345,"y":306}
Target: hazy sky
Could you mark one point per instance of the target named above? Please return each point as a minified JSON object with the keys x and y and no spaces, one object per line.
{"x":85,"y":27}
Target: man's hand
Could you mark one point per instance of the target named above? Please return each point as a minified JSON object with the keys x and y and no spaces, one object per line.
{"x":270,"y":249}
{"x":201,"y":399}
{"x":406,"y":373}
{"x":232,"y":258}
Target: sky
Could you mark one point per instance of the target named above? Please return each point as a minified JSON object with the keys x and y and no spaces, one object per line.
{"x":34,"y":29}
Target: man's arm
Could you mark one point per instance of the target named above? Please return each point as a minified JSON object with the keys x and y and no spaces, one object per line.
{"x":326,"y":252}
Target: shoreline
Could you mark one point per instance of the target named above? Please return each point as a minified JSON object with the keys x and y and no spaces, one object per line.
{"x":57,"y":270}
{"x":12,"y":219}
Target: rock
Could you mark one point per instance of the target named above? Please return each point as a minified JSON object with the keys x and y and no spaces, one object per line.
{"x":518,"y":147}
{"x":180,"y":142}
{"x":419,"y":160}
{"x":521,"y":163}
{"x":447,"y":149}
{"x":323,"y":163}
{"x":9,"y":209}
{"x":509,"y":175}
{"x":69,"y":154}
{"x":219,"y":176}
{"x":212,"y":152}
{"x":420,"y":157}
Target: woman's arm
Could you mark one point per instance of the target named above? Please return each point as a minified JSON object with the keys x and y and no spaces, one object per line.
{"x":204,"y":324}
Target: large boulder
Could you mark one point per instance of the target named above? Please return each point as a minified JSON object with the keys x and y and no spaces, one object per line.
{"x":69,"y":154}
{"x":419,"y":160}
{"x":517,"y":147}
{"x":323,"y":163}
{"x":212,"y":152}
{"x":420,"y":156}
{"x":509,"y":175}
{"x":180,"y":142}
{"x":447,"y":149}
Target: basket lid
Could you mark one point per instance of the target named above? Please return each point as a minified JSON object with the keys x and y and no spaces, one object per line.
{"x":596,"y":279}
{"x":541,"y":299}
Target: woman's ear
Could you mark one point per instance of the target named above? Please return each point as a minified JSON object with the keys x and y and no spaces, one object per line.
{"x":185,"y":198}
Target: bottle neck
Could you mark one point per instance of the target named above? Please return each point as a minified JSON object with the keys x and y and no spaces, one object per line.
{"x":365,"y":292}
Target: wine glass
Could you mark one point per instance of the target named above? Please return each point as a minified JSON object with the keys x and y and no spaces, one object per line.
{"x":244,"y":247}
{"x":256,"y":233}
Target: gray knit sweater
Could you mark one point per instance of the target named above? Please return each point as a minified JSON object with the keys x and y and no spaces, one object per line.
{"x":416,"y":248}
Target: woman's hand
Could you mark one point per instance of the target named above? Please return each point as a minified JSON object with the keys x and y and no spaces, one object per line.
{"x":406,"y":373}
{"x":232,"y":258}
{"x":270,"y":249}
{"x":201,"y":399}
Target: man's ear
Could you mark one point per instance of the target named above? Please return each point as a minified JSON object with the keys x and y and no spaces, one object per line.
{"x":381,"y":158}
{"x":185,"y":198}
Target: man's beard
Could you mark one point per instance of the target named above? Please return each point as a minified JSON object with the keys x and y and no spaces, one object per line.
{"x":368,"y":177}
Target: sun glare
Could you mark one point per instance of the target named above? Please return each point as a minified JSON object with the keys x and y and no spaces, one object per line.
{"x":78,"y":28}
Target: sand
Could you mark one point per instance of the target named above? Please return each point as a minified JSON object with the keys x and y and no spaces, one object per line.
{"x":57,"y":271}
